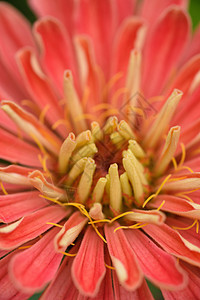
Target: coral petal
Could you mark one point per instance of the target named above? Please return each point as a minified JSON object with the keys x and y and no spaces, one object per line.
{"x":31,"y":226}
{"x":123,"y":258}
{"x":33,"y":268}
{"x":88,"y":268}
{"x":158,"y":266}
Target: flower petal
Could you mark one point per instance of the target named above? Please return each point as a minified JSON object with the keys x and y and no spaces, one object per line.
{"x":22,"y":152}
{"x":31,"y":226}
{"x":11,"y":37}
{"x":70,"y":231}
{"x":88,"y":269}
{"x":39,"y":86}
{"x":55,"y":59}
{"x":163,"y":48}
{"x":8,"y":290}
{"x":158,"y":266}
{"x":33,"y":268}
{"x":123,"y":258}
{"x":142,"y":293}
{"x":171,"y":242}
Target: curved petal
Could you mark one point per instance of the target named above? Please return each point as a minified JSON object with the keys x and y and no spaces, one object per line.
{"x":171,"y":242}
{"x":158,"y":266}
{"x":163,"y":49}
{"x":8,"y":290}
{"x":22,"y":152}
{"x":88,"y":269}
{"x":56,"y":60}
{"x":31,"y":226}
{"x":15,"y":206}
{"x":33,"y":268}
{"x":12,"y":38}
{"x":40,"y":87}
{"x":123,"y":258}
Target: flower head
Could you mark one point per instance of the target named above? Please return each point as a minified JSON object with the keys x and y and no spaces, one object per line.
{"x":99,"y":151}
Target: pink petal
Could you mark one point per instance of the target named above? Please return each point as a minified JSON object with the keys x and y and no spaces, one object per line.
{"x":22,"y":153}
{"x":142,"y":293}
{"x":177,"y":206}
{"x":91,"y":77}
{"x":9,"y":87}
{"x":70,"y":231}
{"x":33,"y":268}
{"x":192,"y":289}
{"x":124,"y":8}
{"x":186,"y":75}
{"x":88,"y":269}
{"x":194,"y":46}
{"x":89,"y":21}
{"x":191,"y":235}
{"x":29,"y":124}
{"x":171,"y":242}
{"x":164,"y":48}
{"x":39,"y":86}
{"x":30,"y":226}
{"x":158,"y":266}
{"x":151,"y":10}
{"x":12,"y":38}
{"x":15,"y":206}
{"x":56,"y":59}
{"x":125,"y":41}
{"x":8,"y":290}
{"x":61,"y":9}
{"x":123,"y":258}
{"x":60,"y":288}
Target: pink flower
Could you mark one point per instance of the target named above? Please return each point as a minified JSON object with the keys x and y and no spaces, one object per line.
{"x":99,"y":149}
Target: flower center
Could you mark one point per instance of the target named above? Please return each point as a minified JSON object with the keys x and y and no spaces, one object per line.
{"x":105,"y":169}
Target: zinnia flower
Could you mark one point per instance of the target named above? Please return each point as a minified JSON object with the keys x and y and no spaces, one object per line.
{"x":99,"y":150}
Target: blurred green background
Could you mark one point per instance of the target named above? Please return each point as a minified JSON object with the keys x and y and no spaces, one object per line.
{"x":194,"y":10}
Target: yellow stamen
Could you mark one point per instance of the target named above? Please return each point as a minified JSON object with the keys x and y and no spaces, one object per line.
{"x":52,"y":200}
{"x":161,"y":205}
{"x":197,"y":227}
{"x":174,"y":163}
{"x":185,"y":228}
{"x":110,"y":126}
{"x":43,"y":113}
{"x":109,"y":267}
{"x":115,"y":188}
{"x":125,"y":130}
{"x":86,"y":180}
{"x":68,"y":254}
{"x":101,"y":106}
{"x":168,"y":150}
{"x":99,"y":221}
{"x":99,"y":189}
{"x":60,"y":122}
{"x":54,"y":224}
{"x":97,"y":133}
{"x":76,"y":170}
{"x":25,"y":247}
{"x":162,"y":120}
{"x":86,"y":151}
{"x":65,"y":153}
{"x":73,"y":103}
{"x":183,"y":155}
{"x":184,"y":196}
{"x":136,"y":149}
{"x":121,"y":216}
{"x":158,"y":191}
{"x":187,"y":168}
{"x":134,"y":180}
{"x":3,"y":188}
{"x":83,"y":138}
